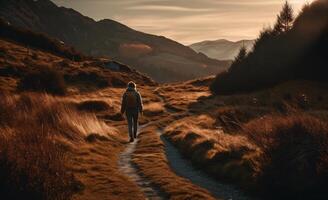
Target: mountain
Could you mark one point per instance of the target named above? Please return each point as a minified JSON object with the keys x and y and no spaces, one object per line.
{"x":44,"y":63}
{"x":163,"y":59}
{"x":297,"y":53}
{"x":222,"y":49}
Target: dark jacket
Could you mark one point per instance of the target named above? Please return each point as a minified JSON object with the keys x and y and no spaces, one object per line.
{"x":139,"y":101}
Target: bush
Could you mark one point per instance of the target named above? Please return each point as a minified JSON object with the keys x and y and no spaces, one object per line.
{"x":93,"y":78}
{"x":294,"y":160}
{"x":94,"y":106}
{"x":43,"y":80}
{"x":230,"y":118}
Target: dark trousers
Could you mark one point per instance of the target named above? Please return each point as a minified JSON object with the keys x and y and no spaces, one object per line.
{"x":132,"y":118}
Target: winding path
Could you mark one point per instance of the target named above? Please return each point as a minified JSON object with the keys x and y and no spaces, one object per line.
{"x":181,"y":167}
{"x":128,"y":168}
{"x":184,"y":168}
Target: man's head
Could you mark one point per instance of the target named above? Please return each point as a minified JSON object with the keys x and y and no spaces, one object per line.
{"x":131,"y":84}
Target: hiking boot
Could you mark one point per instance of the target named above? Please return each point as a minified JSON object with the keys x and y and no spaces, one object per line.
{"x":131,"y":140}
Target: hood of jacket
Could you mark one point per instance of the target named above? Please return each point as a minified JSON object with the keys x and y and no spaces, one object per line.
{"x":131,"y":89}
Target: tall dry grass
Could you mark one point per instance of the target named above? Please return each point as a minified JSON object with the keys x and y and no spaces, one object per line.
{"x":279,"y":157}
{"x":43,"y":79}
{"x":294,"y":159}
{"x":33,"y":160}
{"x":224,"y":156}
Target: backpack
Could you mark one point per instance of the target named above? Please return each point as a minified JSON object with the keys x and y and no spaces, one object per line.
{"x":131,"y":99}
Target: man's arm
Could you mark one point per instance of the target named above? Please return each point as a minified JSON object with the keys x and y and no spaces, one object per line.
{"x":123,"y":104}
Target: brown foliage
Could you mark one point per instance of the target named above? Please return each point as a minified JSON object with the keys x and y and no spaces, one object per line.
{"x":294,"y":156}
{"x":33,"y":158}
{"x":93,"y":105}
{"x":152,"y":162}
{"x":39,"y":41}
{"x":224,"y":156}
{"x":32,"y":163}
{"x":43,"y":80}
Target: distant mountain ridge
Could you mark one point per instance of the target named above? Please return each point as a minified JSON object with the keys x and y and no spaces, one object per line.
{"x":163,"y":59}
{"x":24,"y":53}
{"x":222,"y":49}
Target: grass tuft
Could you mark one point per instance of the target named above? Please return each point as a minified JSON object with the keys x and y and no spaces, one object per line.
{"x":33,"y":160}
{"x":294,"y":156}
{"x":43,"y":80}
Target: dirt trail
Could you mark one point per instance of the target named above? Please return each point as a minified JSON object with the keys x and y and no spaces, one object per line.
{"x":128,"y":168}
{"x":181,"y":167}
{"x":184,"y":168}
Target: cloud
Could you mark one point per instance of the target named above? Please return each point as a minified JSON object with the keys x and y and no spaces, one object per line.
{"x":168,"y":8}
{"x":188,"y":21}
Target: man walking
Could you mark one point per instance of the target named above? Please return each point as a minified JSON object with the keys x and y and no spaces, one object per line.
{"x":132,"y":106}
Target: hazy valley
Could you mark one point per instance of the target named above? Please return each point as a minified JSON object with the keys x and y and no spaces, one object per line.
{"x":222,"y":49}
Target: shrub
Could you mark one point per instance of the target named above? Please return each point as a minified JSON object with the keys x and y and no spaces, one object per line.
{"x":43,"y":80}
{"x":294,"y":159}
{"x":93,"y":78}
{"x":93,"y":105}
{"x":230,"y":118}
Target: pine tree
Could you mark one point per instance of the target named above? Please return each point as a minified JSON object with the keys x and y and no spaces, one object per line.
{"x":285,"y":19}
{"x":242,"y":54}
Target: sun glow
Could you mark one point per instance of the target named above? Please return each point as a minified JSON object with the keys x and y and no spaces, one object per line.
{"x":189,"y":21}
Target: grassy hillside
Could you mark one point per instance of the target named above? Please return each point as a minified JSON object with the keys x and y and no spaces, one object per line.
{"x":145,"y":52}
{"x":299,"y":52}
{"x":39,"y":41}
{"x":60,"y":121}
{"x":272,"y":142}
{"x":42,"y":66}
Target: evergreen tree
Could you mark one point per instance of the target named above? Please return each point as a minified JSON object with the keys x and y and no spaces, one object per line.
{"x":241,"y":55}
{"x":285,"y":19}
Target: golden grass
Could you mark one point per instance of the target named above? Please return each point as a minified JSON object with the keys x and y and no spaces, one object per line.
{"x":294,"y":156}
{"x":95,"y":165}
{"x":236,"y":156}
{"x":153,"y":109}
{"x":33,"y":164}
{"x":180,"y":96}
{"x":44,"y":153}
{"x":224,"y":156}
{"x":152,"y":163}
{"x":83,"y":76}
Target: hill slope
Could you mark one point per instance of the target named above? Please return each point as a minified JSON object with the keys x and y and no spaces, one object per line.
{"x":163,"y":59}
{"x":24,"y":53}
{"x":222,"y":49}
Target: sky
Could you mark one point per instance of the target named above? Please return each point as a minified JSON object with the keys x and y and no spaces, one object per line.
{"x":188,"y":21}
